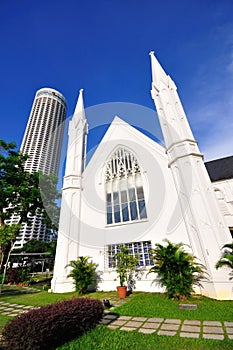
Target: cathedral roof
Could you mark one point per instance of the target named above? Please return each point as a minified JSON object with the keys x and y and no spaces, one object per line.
{"x":220,"y":169}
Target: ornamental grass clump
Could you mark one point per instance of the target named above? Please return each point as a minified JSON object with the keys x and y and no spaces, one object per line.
{"x":50,"y":326}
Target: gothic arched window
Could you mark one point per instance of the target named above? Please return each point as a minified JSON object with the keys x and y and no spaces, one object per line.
{"x":124,"y":189}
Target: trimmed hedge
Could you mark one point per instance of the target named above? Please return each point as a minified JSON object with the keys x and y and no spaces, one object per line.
{"x":50,"y":326}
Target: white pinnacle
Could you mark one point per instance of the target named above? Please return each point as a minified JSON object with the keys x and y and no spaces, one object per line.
{"x":158,"y":73}
{"x":79,"y":112}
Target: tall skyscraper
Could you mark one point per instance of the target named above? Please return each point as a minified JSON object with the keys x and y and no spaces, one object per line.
{"x":42,"y":141}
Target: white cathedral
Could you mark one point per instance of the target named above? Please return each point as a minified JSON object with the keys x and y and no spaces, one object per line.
{"x":135,"y":192}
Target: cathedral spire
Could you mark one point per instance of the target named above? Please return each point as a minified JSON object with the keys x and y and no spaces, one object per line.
{"x":79,"y":113}
{"x":158,"y":74}
{"x":169,"y":108}
{"x":204,"y":223}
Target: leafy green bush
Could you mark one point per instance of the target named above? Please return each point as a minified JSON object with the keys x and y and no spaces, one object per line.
{"x":50,"y":326}
{"x":83,"y":273}
{"x":177,"y":270}
{"x":126,"y":266}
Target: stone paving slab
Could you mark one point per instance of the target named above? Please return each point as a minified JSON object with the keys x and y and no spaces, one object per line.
{"x":105,"y":321}
{"x":172,"y":320}
{"x":111,"y":316}
{"x":212,"y":323}
{"x":155,"y":320}
{"x":19,"y":306}
{"x":192,"y":322}
{"x":214,"y":330}
{"x":128,"y":328}
{"x":230,"y":324}
{"x":146,"y":330}
{"x":139,"y":319}
{"x":118,"y":323}
{"x":213,"y":336}
{"x":189,"y":335}
{"x":192,"y":329}
{"x":229,"y":330}
{"x":169,"y":327}
{"x":125,"y":318}
{"x":112,"y":326}
{"x":133,"y":324}
{"x":151,"y":325}
{"x":161,"y":332}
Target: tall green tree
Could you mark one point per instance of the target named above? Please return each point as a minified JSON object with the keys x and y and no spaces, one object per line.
{"x":22,"y":193}
{"x":177,"y":270}
{"x":226,"y":259}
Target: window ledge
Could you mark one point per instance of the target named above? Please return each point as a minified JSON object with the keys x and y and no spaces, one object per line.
{"x":122,"y":223}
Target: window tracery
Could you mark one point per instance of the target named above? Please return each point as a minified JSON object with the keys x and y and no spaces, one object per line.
{"x":124,"y":189}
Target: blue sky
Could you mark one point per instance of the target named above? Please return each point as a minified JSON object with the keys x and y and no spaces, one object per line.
{"x":102,"y":46}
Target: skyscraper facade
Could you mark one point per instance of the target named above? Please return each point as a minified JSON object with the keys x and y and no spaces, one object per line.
{"x":42,"y":141}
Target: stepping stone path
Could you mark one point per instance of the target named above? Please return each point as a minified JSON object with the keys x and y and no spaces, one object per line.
{"x":170,"y":327}
{"x":13,"y":309}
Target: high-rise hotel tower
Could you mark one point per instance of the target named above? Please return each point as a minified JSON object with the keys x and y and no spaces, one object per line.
{"x":42,"y":141}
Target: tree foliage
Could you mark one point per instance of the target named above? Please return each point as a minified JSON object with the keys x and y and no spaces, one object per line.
{"x":8,"y":234}
{"x":83,"y":273}
{"x":35,"y":246}
{"x":177,"y":270}
{"x":22,"y":192}
{"x":227,"y":258}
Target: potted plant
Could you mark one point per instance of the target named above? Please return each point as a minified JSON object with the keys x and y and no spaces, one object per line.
{"x":125,"y":265}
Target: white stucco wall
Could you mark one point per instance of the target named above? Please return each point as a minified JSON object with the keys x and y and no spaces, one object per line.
{"x":164,"y":218}
{"x":224,"y":192}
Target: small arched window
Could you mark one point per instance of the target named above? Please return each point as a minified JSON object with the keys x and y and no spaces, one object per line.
{"x":124,"y":189}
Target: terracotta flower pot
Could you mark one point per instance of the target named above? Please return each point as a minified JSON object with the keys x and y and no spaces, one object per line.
{"x":121,"y":291}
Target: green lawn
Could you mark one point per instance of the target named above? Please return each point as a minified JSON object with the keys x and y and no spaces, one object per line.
{"x":41,"y":297}
{"x":3,"y":320}
{"x":157,"y":305}
{"x":138,"y":304}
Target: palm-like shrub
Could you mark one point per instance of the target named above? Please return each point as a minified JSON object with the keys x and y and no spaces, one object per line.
{"x":83,"y":273}
{"x":227,"y":258}
{"x":177,"y":270}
